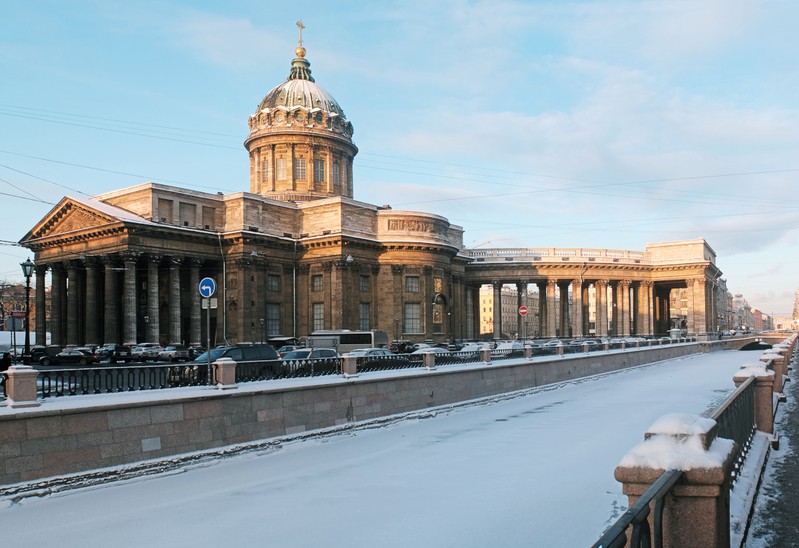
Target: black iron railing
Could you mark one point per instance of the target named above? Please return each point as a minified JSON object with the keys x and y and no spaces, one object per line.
{"x":102,"y":380}
{"x":735,"y":418}
{"x":637,"y":517}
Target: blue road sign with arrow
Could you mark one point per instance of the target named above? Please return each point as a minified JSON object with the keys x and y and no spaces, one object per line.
{"x":207,"y":287}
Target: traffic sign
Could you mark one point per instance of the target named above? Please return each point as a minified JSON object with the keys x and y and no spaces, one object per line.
{"x":207,"y":287}
{"x":522,"y":311}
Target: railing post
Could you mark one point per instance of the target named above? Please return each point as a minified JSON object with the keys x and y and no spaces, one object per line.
{"x":485,"y":355}
{"x":21,"y":389}
{"x":528,"y":351}
{"x":349,"y":366}
{"x":225,"y":374}
{"x":429,"y":360}
{"x":764,"y":394}
{"x":697,"y":508}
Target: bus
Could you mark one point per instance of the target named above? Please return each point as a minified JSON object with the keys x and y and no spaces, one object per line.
{"x":344,"y":340}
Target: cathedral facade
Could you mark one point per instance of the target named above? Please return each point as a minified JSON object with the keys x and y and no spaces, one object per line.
{"x":297,"y":254}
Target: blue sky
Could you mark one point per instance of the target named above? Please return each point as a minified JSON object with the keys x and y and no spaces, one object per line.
{"x":606,"y":124}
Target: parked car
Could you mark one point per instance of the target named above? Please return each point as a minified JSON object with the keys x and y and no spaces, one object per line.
{"x":377,"y":358}
{"x":66,"y":357}
{"x":114,"y":353}
{"x":310,"y":353}
{"x":240,"y":352}
{"x":174,"y":353}
{"x":310,"y":361}
{"x":37,"y":352}
{"x":195,"y":372}
{"x":285,"y":349}
{"x":430,"y":350}
{"x":145,"y":352}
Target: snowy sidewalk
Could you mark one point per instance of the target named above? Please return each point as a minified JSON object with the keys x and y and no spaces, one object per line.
{"x":531,"y":469}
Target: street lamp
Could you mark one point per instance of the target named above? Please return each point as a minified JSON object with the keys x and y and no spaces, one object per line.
{"x":262,"y":329}
{"x":27,"y":271}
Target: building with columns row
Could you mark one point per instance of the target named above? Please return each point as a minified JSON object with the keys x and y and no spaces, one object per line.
{"x":297,"y":253}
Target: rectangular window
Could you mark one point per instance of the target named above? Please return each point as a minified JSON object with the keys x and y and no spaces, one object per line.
{"x":364,"y":319}
{"x":272,"y":319}
{"x":280,"y":167}
{"x":272,"y":282}
{"x":317,"y":282}
{"x":299,"y":169}
{"x":412,"y":318}
{"x":336,"y":175}
{"x":319,"y":171}
{"x":412,"y":284}
{"x":318,"y":316}
{"x":363,"y":283}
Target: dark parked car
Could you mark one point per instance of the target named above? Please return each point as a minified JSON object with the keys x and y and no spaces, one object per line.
{"x":248,"y":355}
{"x":114,"y":353}
{"x":66,"y":357}
{"x":37,"y":352}
{"x":378,"y":358}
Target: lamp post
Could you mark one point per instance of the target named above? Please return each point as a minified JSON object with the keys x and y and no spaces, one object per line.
{"x":262,"y":329}
{"x":27,"y":271}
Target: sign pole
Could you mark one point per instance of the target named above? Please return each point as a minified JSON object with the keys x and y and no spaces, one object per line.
{"x":207,"y":289}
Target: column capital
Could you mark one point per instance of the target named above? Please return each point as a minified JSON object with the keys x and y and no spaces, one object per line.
{"x":152,"y":258}
{"x":397,"y":268}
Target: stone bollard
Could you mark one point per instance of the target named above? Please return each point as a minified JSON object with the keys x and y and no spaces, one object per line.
{"x":225,"y":374}
{"x":349,"y":366}
{"x":585,"y":347}
{"x":21,"y":389}
{"x":485,"y":355}
{"x":559,"y":351}
{"x":776,"y":360}
{"x":528,"y":351}
{"x":764,"y":394}
{"x":697,"y":508}
{"x":429,"y":360}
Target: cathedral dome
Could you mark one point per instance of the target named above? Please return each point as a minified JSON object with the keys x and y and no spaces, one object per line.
{"x":300,"y":101}
{"x":300,"y":142}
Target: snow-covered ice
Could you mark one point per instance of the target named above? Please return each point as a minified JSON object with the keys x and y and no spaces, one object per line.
{"x":534,"y":468}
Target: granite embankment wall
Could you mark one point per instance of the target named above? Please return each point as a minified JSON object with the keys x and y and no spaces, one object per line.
{"x":81,"y":433}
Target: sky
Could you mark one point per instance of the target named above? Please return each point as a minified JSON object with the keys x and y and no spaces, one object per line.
{"x":594,"y":124}
{"x":531,"y":468}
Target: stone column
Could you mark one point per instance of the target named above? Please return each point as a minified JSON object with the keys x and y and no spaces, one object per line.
{"x":601,"y":287}
{"x":703,"y":322}
{"x":577,"y":309}
{"x":195,"y":318}
{"x":624,"y":285}
{"x":645,"y":303}
{"x":552,"y":320}
{"x":153,"y":324}
{"x":497,"y":286}
{"x":41,"y":304}
{"x":563,"y":309}
{"x":129,"y":335}
{"x":72,"y":305}
{"x":542,"y":309}
{"x":93,"y":337}
{"x":111,"y":316}
{"x":174,"y":300}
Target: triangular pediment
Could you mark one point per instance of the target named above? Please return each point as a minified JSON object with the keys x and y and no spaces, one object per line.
{"x":71,"y":216}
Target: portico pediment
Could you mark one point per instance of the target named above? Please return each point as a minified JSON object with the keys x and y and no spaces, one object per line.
{"x":72,"y":216}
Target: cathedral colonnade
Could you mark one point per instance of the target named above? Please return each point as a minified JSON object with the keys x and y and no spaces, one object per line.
{"x":126,"y":298}
{"x":577,"y":308}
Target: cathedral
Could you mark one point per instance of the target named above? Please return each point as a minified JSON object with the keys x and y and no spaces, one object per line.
{"x":297,"y":254}
{"x":293,"y":255}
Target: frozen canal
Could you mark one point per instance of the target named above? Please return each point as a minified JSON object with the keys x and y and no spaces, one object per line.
{"x":535,"y":469}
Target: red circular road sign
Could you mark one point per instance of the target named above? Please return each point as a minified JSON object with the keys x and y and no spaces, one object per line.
{"x":522,"y":310}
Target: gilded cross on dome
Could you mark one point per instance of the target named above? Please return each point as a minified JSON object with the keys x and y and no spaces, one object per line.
{"x":300,"y":26}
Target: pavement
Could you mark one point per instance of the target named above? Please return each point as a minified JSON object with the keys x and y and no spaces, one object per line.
{"x":775,"y":522}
